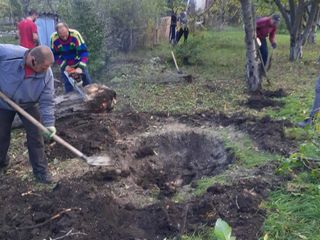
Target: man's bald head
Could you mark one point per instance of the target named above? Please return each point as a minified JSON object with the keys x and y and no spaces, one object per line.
{"x":42,"y":54}
{"x":40,"y":58}
{"x":61,"y":25}
{"x":63,"y":30}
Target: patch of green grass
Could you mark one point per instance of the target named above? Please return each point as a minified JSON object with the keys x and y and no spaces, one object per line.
{"x":204,"y":183}
{"x":192,"y":238}
{"x":246,"y":152}
{"x":218,"y":71}
{"x":9,"y":39}
{"x":207,"y":233}
{"x":297,"y":107}
{"x":299,"y":134}
{"x":248,"y":155}
{"x":221,"y":231}
{"x":293,"y":213}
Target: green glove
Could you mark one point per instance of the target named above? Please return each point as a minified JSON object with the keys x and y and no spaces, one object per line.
{"x":52,"y":131}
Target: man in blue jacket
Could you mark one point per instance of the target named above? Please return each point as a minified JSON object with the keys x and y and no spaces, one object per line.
{"x":26,"y":78}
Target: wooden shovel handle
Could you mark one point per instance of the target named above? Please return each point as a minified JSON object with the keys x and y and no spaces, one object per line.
{"x":175,"y":61}
{"x":40,"y":126}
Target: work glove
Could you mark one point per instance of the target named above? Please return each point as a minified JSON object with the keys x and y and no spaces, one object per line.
{"x":274,"y":45}
{"x":52,"y":131}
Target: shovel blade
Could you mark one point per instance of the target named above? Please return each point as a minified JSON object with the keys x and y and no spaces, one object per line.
{"x":103,"y":160}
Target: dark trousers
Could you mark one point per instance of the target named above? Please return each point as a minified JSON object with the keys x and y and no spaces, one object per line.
{"x":35,"y":141}
{"x":183,"y":31}
{"x":86,"y":79}
{"x":264,"y":50}
{"x":172,"y":34}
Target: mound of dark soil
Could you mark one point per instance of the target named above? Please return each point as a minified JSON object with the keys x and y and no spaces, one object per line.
{"x":268,"y":134}
{"x":259,"y":102}
{"x":85,"y":207}
{"x":280,"y":93}
{"x":94,"y":133}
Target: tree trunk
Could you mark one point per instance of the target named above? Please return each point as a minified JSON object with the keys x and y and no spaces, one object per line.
{"x":295,"y":48}
{"x":313,"y":34}
{"x":252,"y":68}
{"x":100,"y":99}
{"x":293,"y":16}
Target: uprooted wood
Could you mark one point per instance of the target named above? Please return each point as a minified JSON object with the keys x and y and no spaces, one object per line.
{"x":100,"y":99}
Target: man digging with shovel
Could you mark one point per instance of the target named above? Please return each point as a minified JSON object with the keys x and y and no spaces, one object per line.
{"x":267,"y":27}
{"x":26,"y":78}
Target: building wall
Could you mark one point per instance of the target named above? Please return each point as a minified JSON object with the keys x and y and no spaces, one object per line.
{"x":46,"y":26}
{"x":200,"y":4}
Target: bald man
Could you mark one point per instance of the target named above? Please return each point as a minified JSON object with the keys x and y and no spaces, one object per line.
{"x":70,"y":52}
{"x":26,"y":78}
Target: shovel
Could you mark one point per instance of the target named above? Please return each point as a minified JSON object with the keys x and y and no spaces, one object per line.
{"x":263,"y":66}
{"x":268,"y":64}
{"x":94,"y":160}
{"x":175,"y":63}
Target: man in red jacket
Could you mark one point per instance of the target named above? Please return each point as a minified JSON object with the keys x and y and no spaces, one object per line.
{"x":267,"y":27}
{"x":27,"y":31}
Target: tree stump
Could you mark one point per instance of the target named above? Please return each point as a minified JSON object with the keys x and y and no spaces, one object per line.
{"x":100,"y":98}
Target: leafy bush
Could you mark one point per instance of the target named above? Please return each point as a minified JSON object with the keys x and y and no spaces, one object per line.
{"x":82,"y":16}
{"x":189,"y":52}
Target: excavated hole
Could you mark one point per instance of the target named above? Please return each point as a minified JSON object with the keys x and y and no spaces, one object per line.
{"x":174,"y":159}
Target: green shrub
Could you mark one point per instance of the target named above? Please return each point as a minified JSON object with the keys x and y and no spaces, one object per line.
{"x":188,"y":52}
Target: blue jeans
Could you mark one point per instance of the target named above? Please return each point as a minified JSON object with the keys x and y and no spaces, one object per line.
{"x":264,"y":50}
{"x":86,"y":79}
{"x":316,"y":103}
